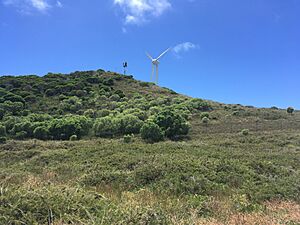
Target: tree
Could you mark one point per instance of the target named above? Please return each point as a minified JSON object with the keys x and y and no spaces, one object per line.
{"x":151,"y":132}
{"x":290,"y":110}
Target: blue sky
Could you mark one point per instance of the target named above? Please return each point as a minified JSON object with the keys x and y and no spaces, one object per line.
{"x":231,"y":51}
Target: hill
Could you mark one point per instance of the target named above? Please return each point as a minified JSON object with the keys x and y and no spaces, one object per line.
{"x":69,"y":157}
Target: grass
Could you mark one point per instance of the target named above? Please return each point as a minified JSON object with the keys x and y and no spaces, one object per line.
{"x":211,"y":179}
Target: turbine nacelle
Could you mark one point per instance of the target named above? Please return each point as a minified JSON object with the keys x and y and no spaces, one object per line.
{"x":155,"y":63}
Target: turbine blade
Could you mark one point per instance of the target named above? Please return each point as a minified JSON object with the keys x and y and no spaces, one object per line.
{"x":149,"y":56}
{"x":163,"y":53}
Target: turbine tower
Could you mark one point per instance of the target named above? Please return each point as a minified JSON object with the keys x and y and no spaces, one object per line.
{"x":155,"y":63}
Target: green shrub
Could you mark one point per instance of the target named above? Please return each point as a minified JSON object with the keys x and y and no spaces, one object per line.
{"x":114,"y":97}
{"x":235,"y":113}
{"x":2,"y":140}
{"x":204,"y":114}
{"x":105,"y":127}
{"x":41,"y":133}
{"x":290,"y":110}
{"x":64,"y":128}
{"x":2,"y":131}
{"x":90,"y":113}
{"x":128,"y":124}
{"x":245,"y":132}
{"x":74,"y":137}
{"x":14,"y":108}
{"x":205,"y":120}
{"x":200,"y":204}
{"x":72,"y":104}
{"x":199,"y":104}
{"x":2,"y":113}
{"x":172,"y":123}
{"x":21,"y":135}
{"x":151,"y":132}
{"x":127,"y":138}
{"x":145,"y":84}
{"x":103,"y":113}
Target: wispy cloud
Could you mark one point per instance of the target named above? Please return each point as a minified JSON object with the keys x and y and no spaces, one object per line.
{"x":28,"y":6}
{"x":184,"y":47}
{"x":140,"y":11}
{"x":59,"y":4}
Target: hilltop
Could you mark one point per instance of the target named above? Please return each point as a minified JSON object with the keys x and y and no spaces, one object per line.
{"x":97,"y":147}
{"x":106,"y":104}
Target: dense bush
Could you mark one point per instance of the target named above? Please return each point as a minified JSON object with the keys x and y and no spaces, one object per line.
{"x":2,"y":131}
{"x":205,"y":120}
{"x":64,"y":128}
{"x":111,"y":126}
{"x":204,"y":114}
{"x":290,"y":110}
{"x":41,"y":133}
{"x":172,"y":123}
{"x":151,"y":132}
{"x":128,"y":138}
{"x":128,"y":124}
{"x":105,"y":127}
{"x":15,"y":108}
{"x":245,"y":132}
{"x":3,"y":140}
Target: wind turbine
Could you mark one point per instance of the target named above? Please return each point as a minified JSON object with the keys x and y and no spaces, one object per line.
{"x":155,"y":63}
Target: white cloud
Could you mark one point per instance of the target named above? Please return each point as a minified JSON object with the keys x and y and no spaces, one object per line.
{"x":184,"y":47}
{"x":40,"y":5}
{"x":140,"y":11}
{"x":29,"y":6}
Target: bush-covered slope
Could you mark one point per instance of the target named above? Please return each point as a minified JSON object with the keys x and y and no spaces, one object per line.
{"x":232,"y":164}
{"x":91,"y":103}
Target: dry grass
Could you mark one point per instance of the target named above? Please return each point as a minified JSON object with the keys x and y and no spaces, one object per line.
{"x":276,"y":213}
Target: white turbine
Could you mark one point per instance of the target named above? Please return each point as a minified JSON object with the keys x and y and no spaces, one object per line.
{"x":155,"y":63}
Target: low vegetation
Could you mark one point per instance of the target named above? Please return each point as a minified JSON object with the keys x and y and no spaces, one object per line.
{"x":96,"y":147}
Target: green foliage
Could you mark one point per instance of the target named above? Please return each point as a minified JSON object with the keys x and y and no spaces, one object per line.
{"x":21,"y":135}
{"x":128,"y":124}
{"x":151,"y":132}
{"x":72,"y":104}
{"x":290,"y":110}
{"x":12,"y":107}
{"x":3,"y":140}
{"x":2,"y":131}
{"x":41,"y":133}
{"x":200,"y":204}
{"x":245,"y":132}
{"x":127,"y":138}
{"x":105,"y":127}
{"x":205,"y":120}
{"x":199,"y":104}
{"x":204,"y":114}
{"x":64,"y":128}
{"x":172,"y":123}
{"x":90,"y":113}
